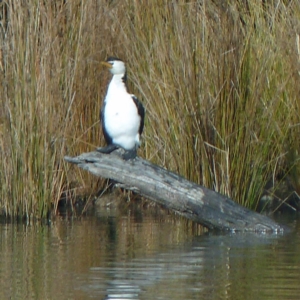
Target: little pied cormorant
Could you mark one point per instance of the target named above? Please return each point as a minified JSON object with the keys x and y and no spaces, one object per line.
{"x":122,"y":114}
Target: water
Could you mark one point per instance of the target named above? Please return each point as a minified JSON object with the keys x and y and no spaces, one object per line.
{"x":144,"y":255}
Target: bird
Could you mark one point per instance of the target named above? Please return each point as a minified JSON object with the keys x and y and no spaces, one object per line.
{"x":122,"y":114}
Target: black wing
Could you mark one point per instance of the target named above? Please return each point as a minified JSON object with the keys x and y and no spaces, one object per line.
{"x":107,"y":137}
{"x":141,"y":112}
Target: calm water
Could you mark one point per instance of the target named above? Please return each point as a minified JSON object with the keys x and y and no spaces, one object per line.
{"x":144,"y":255}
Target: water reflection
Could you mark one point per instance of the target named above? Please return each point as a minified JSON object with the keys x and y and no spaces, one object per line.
{"x":201,"y":267}
{"x":139,"y":254}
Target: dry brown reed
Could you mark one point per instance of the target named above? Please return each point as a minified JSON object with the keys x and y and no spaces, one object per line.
{"x":219,"y":80}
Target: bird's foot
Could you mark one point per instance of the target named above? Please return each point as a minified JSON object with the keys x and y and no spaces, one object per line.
{"x":129,"y":154}
{"x":126,"y":154}
{"x":108,"y":149}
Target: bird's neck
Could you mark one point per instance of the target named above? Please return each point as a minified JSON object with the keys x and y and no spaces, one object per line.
{"x":118,"y":82}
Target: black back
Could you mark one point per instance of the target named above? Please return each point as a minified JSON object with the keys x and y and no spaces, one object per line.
{"x":141,"y":112}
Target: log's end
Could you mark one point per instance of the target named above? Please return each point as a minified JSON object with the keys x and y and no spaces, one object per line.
{"x":94,"y":157}
{"x":70,"y":159}
{"x":89,"y":157}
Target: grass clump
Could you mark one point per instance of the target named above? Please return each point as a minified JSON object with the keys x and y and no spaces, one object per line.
{"x":218,"y":79}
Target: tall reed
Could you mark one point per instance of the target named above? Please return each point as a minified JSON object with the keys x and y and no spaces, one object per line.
{"x":44,"y":113}
{"x":223,"y":91}
{"x":218,"y":79}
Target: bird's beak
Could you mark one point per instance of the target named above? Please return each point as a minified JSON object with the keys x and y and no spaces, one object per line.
{"x":106,"y":64}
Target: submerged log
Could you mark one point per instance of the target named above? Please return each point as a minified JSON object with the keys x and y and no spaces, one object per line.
{"x":174,"y":192}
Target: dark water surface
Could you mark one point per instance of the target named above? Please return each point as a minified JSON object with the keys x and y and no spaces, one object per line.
{"x":144,"y":255}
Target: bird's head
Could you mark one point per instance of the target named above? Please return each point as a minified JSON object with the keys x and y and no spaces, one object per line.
{"x":116,"y":66}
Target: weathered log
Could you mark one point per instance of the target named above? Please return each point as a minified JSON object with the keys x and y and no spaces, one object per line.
{"x":193,"y":201}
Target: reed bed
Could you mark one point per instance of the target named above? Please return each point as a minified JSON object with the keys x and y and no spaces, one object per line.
{"x":219,"y":80}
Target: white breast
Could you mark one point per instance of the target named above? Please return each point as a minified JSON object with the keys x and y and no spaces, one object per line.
{"x":122,"y":120}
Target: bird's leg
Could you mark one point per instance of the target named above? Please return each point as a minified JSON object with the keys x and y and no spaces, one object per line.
{"x":108,"y":149}
{"x":129,"y":154}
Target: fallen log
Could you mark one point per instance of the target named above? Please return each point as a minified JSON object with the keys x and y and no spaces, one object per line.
{"x":174,"y":192}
